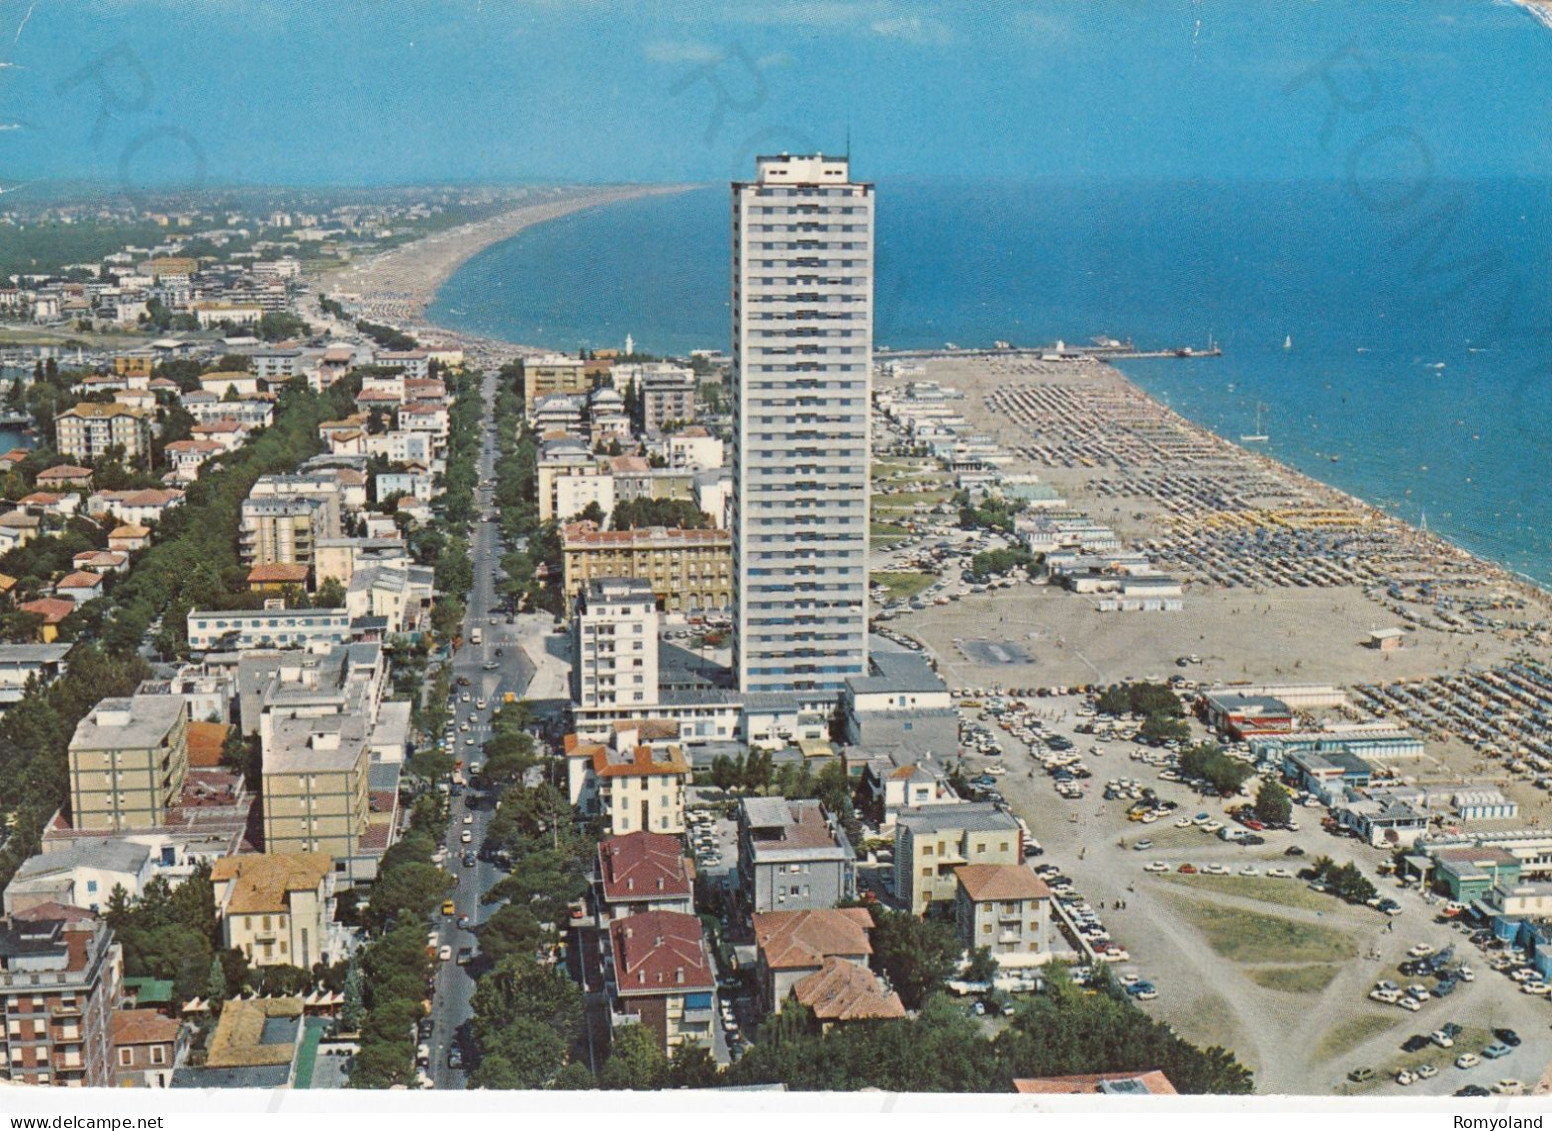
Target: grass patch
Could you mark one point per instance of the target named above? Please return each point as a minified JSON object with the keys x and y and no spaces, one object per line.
{"x":885,"y":533}
{"x":905,"y":500}
{"x":1354,"y":1031}
{"x":1309,"y":979}
{"x":1263,"y":889}
{"x":1250,"y":937}
{"x":903,"y":586}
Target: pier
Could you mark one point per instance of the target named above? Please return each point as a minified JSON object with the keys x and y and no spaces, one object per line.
{"x":1101,"y":349}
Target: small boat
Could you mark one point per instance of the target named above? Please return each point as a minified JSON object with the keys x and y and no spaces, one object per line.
{"x":1288,"y":342}
{"x":1336,"y":459}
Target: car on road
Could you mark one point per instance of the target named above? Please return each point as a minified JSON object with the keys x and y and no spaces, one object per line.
{"x":465,"y":954}
{"x":1420,"y":950}
{"x":1467,"y":1060}
{"x":448,"y":908}
{"x":444,"y":953}
{"x":1216,"y":869}
{"x":463,"y":922}
{"x":455,"y":1057}
{"x":490,"y":665}
{"x":1293,"y":850}
{"x":1496,"y":1051}
{"x":466,"y":837}
{"x":1250,"y":870}
{"x":1508,"y":1087}
{"x":1279,"y":873}
{"x":1508,"y":1037}
{"x":468,"y":818}
{"x":1142,"y":845}
{"x":1156,"y":866}
{"x":1187,"y":869}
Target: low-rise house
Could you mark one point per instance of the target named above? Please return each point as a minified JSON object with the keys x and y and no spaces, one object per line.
{"x":791,"y":945}
{"x":147,"y":1047}
{"x":276,"y":908}
{"x":20,"y":664}
{"x":79,"y":587}
{"x":659,"y":974}
{"x":225,"y":432}
{"x":83,"y":873}
{"x":100,"y":561}
{"x":276,"y":577}
{"x":1005,"y":908}
{"x":641,"y":872}
{"x":792,"y":856}
{"x":50,"y":611}
{"x":840,"y":992}
{"x":255,"y":1045}
{"x":139,"y":507}
{"x":17,"y":528}
{"x":64,"y":475}
{"x":129,"y":537}
{"x":52,"y":503}
{"x":186,"y":457}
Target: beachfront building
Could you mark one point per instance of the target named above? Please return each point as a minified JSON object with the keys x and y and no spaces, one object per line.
{"x":802,"y":377}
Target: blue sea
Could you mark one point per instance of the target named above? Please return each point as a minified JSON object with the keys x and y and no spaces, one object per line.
{"x":1430,"y":386}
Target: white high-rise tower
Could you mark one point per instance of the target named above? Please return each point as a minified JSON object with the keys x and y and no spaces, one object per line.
{"x":802,"y":384}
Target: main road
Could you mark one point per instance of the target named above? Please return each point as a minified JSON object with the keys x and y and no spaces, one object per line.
{"x":493,"y":668}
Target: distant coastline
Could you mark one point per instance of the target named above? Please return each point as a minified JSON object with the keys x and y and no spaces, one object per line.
{"x":396,"y":287}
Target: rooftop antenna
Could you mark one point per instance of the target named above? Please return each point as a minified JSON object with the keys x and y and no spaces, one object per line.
{"x":848,"y":143}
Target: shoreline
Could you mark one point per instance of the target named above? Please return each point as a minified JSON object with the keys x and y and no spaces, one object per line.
{"x":397,"y":287}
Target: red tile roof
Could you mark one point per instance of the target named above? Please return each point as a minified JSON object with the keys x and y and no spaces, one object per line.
{"x":51,"y":609}
{"x":799,"y":940}
{"x":843,"y":991}
{"x":292,"y":573}
{"x":660,"y":952}
{"x":983,"y":882}
{"x":143,"y":1027}
{"x":643,"y":865}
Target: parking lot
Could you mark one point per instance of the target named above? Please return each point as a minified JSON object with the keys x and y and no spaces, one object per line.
{"x":1241,"y":952}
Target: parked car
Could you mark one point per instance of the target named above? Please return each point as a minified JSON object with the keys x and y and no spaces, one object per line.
{"x":1508,"y":1037}
{"x":1467,"y":1060}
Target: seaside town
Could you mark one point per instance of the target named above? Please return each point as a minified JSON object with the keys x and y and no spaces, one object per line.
{"x":391,"y":707}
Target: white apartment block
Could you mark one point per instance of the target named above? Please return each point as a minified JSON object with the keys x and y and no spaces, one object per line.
{"x":615,"y":644}
{"x":802,"y":386}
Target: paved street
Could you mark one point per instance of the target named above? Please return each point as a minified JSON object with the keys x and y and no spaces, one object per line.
{"x":454,"y":985}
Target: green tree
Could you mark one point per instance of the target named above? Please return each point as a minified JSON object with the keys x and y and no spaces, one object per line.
{"x":1273,"y":805}
{"x":353,"y":1010}
{"x":512,"y":930}
{"x":525,"y":1054}
{"x":636,"y":1061}
{"x":916,"y":955}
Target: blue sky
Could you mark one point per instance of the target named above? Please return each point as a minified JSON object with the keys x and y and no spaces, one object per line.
{"x":263,"y":92}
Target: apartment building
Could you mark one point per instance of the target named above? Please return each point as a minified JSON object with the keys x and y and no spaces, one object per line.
{"x":544,"y":376}
{"x":933,"y":842}
{"x":1005,"y":908}
{"x":614,"y":628}
{"x":128,"y":759}
{"x":635,"y":786}
{"x":316,"y":785}
{"x":276,"y":908}
{"x":792,"y":856}
{"x":315,"y":630}
{"x":690,"y":571}
{"x":801,"y":390}
{"x":91,"y":431}
{"x":641,"y":872}
{"x":60,"y":981}
{"x":282,"y":530}
{"x":658,"y":973}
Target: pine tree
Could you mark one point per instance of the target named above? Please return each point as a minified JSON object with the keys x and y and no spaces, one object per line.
{"x":353,"y":1011}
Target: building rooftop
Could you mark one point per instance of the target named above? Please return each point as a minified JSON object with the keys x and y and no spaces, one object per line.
{"x":111,"y":855}
{"x":896,"y":673}
{"x":643,"y":865}
{"x":1153,"y":1083}
{"x":660,"y":952}
{"x":139,"y":722}
{"x":260,"y":883}
{"x":801,"y":939}
{"x":843,"y":991}
{"x":972,"y":816}
{"x":144,"y":1027}
{"x":991,"y":882}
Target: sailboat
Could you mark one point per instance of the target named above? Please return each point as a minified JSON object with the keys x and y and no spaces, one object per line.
{"x":1258,"y":436}
{"x":1288,"y":342}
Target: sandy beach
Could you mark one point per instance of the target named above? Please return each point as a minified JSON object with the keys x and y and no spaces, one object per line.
{"x":395,"y":287}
